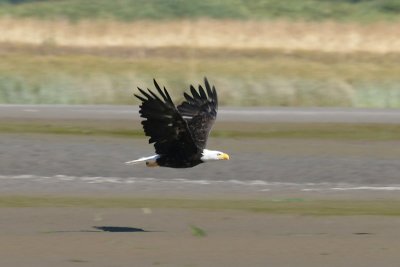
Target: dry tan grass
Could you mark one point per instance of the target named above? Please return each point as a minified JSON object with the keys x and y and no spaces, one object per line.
{"x":283,"y":35}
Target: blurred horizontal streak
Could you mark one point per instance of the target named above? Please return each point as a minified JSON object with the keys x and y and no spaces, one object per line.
{"x":227,"y":114}
{"x":380,"y":37}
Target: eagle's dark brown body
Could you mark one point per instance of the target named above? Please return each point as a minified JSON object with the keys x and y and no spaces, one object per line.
{"x":179,"y":133}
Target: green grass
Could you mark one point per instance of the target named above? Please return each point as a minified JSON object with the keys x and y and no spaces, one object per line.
{"x":271,"y":206}
{"x":197,"y":231}
{"x":327,"y":131}
{"x":68,"y":129}
{"x":243,"y":78}
{"x":128,"y":10}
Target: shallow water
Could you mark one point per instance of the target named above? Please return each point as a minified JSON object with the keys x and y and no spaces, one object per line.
{"x":60,"y":163}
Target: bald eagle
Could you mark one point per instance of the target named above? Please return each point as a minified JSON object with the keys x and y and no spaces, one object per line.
{"x":179,"y":133}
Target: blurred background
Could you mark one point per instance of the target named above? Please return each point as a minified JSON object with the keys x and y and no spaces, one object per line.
{"x":310,"y":116}
{"x":309,"y":53}
{"x":309,"y":90}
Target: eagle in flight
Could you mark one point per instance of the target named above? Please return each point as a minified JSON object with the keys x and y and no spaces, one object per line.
{"x":179,"y":133}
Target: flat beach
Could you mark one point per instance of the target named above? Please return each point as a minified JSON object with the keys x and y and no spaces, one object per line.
{"x":67,"y":199}
{"x":89,"y":214}
{"x":183,"y":237}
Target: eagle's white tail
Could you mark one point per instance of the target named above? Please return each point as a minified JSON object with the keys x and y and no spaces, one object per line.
{"x":148,"y":160}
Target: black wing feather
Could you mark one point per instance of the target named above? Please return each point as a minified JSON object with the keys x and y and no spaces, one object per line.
{"x":164,"y":125}
{"x":200,"y":112}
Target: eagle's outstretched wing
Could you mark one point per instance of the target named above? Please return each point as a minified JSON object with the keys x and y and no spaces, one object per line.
{"x":164,"y":125}
{"x":200,"y":112}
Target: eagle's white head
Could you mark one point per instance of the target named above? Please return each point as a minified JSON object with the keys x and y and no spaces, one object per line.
{"x":211,"y":155}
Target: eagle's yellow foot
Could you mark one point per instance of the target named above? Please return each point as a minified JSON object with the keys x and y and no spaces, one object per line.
{"x":151,"y":164}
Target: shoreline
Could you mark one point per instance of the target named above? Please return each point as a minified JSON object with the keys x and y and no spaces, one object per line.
{"x":289,"y":205}
{"x":119,"y":237}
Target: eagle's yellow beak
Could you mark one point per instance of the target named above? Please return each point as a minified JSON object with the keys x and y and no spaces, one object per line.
{"x":223,"y":156}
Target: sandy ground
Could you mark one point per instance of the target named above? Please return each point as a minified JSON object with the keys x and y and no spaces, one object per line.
{"x":92,"y":166}
{"x":66,"y":165}
{"x":68,"y":237}
{"x":272,"y":160}
{"x":127,"y":115}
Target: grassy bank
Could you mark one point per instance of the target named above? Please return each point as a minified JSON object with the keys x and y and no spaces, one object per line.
{"x":284,"y":35}
{"x":257,"y":53}
{"x":128,"y":10}
{"x":242,"y":77}
{"x":272,"y":206}
{"x":334,"y":131}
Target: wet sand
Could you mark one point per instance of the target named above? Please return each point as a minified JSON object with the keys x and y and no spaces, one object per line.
{"x":43,"y":165}
{"x":166,"y":237}
{"x":271,"y":160}
{"x":93,"y":166}
{"x":129,"y":114}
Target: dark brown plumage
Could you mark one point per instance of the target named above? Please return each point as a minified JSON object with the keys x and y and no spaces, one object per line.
{"x":179,"y":133}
